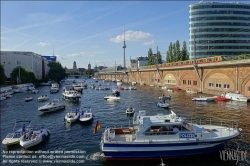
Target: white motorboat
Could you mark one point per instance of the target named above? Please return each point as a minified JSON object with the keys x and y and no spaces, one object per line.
{"x":115,"y":96}
{"x":170,"y":90}
{"x":70,"y":94}
{"x":199,"y":99}
{"x":9,"y":96}
{"x":162,"y":104}
{"x":164,"y":136}
{"x":35,"y":91}
{"x":14,"y":137}
{"x":18,"y":90}
{"x":54,"y":88}
{"x":237,"y":97}
{"x":130,"y":110}
{"x":132,"y":88}
{"x":78,"y":87}
{"x":28,"y":98}
{"x":118,"y":82}
{"x":86,"y":115}
{"x":43,"y":98}
{"x":163,"y":97}
{"x":133,"y":83}
{"x":54,"y":105}
{"x":72,"y":116}
{"x":34,"y":137}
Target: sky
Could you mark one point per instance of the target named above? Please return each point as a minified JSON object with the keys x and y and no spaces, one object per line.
{"x":93,"y":31}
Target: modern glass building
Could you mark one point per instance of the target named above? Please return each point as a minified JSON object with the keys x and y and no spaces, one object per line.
{"x":219,"y":28}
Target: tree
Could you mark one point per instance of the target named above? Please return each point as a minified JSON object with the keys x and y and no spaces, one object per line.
{"x":169,"y":57}
{"x":184,"y":52}
{"x":159,"y":61}
{"x":3,"y":77}
{"x":89,"y":72}
{"x":150,"y":57}
{"x":56,"y":72}
{"x":174,"y":59}
{"x":26,"y":76}
{"x":178,"y":51}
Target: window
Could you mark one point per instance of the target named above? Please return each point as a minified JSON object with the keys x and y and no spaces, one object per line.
{"x":249,"y":89}
{"x":218,"y":85}
{"x":184,"y":81}
{"x":210,"y":85}
{"x":189,"y":82}
{"x":194,"y":82}
{"x":226,"y":86}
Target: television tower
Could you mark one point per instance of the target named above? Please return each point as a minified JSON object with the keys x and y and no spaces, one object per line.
{"x":124,"y":46}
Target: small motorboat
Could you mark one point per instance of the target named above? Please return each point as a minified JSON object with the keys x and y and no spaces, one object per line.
{"x":35,"y":91}
{"x":113,"y":98}
{"x":43,"y":98}
{"x":162,"y":104}
{"x":19,"y":128}
{"x":130,"y":110}
{"x":219,"y":98}
{"x":54,"y":105}
{"x":72,"y":116}
{"x":28,"y":98}
{"x":170,"y":90}
{"x":164,"y":97}
{"x":199,"y":99}
{"x":9,"y":96}
{"x":121,"y":88}
{"x":132,"y":88}
{"x":86,"y":115}
{"x":35,"y":136}
{"x":176,"y":88}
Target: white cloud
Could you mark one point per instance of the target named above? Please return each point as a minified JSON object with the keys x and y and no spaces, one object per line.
{"x":85,"y":54}
{"x":43,"y":44}
{"x":60,"y":57}
{"x":152,"y":42}
{"x":131,"y":36}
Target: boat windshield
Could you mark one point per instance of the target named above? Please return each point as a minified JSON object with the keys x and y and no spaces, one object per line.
{"x":10,"y":135}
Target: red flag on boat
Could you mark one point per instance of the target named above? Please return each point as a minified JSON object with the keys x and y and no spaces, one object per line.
{"x":97,"y":126}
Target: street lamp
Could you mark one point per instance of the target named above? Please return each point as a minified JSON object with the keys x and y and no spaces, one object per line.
{"x":19,"y":81}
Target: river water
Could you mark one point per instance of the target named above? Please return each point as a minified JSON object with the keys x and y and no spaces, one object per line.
{"x":69,"y":137}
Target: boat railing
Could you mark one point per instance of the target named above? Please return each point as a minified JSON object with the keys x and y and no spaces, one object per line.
{"x":212,"y":121}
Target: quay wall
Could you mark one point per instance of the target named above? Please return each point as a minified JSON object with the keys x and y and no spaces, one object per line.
{"x":211,"y":78}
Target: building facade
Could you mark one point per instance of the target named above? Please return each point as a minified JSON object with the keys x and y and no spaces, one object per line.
{"x":89,"y":66}
{"x":219,"y":28}
{"x":27,"y":60}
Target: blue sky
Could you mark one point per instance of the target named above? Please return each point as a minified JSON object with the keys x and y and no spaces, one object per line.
{"x":93,"y":32}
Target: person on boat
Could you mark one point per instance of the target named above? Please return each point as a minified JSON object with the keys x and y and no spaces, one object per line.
{"x":175,"y":130}
{"x":222,"y":95}
{"x":23,"y":129}
{"x":130,"y":108}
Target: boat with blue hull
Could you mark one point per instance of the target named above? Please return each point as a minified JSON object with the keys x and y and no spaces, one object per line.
{"x":164,"y":136}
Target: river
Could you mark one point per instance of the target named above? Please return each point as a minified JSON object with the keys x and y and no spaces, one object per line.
{"x":76,"y":137}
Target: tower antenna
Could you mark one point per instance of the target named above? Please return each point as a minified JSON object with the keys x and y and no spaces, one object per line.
{"x":124,"y":47}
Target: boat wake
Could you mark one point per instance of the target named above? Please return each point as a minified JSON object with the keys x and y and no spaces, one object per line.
{"x":95,"y":156}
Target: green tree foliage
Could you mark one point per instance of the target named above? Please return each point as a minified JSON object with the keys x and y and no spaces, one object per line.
{"x":56,"y":72}
{"x":169,"y":56}
{"x":26,"y":76}
{"x":3,"y":77}
{"x":184,"y":52}
{"x":159,"y":58}
{"x":89,"y":72}
{"x":178,"y":51}
{"x":150,"y":57}
{"x":174,"y":59}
